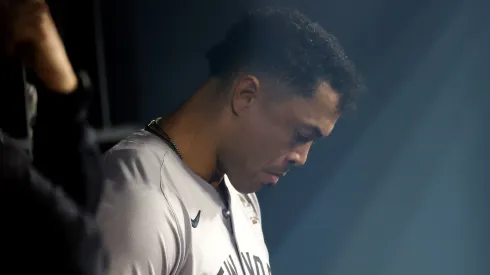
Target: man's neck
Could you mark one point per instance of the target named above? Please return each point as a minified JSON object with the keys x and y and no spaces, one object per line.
{"x":194,"y":129}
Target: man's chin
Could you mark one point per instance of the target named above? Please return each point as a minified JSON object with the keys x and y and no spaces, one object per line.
{"x":249,"y":188}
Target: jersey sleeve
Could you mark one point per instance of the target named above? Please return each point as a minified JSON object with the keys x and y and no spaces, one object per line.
{"x":142,"y":226}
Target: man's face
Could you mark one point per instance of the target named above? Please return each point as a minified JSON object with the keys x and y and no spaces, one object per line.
{"x":270,"y":134}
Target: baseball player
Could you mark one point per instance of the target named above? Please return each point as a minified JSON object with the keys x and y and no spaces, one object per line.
{"x":182,"y":194}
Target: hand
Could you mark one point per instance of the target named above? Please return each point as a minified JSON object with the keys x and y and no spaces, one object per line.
{"x":33,"y":35}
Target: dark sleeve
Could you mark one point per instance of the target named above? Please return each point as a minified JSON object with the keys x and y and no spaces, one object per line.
{"x":43,"y":230}
{"x":64,"y":146}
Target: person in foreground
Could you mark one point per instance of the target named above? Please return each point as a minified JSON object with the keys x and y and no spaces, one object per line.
{"x":45,"y":203}
{"x":183,"y":197}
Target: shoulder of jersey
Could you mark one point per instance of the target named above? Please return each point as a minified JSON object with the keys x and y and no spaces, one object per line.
{"x":145,"y":141}
{"x":140,"y":155}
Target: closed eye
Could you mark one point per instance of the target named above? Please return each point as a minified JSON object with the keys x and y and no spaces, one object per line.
{"x":302,"y":139}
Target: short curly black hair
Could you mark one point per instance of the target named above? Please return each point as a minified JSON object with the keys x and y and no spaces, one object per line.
{"x":286,"y":44}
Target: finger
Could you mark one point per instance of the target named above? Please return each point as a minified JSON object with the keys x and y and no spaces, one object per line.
{"x":31,"y":23}
{"x":30,"y":8}
{"x":17,"y":3}
{"x":21,"y":20}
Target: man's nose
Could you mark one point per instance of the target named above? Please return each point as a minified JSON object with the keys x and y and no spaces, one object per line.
{"x":299,"y":155}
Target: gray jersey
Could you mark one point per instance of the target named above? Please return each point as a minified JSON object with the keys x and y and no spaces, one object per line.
{"x":158,"y":217}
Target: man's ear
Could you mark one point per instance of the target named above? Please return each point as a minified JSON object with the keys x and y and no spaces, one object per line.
{"x":244,"y":93}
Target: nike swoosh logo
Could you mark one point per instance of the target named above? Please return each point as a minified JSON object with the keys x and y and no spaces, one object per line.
{"x":195,"y":221}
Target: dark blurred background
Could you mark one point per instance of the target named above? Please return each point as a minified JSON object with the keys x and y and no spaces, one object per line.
{"x":402,"y":186}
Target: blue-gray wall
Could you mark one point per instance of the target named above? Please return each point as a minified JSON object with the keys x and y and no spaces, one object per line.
{"x":401,"y":187}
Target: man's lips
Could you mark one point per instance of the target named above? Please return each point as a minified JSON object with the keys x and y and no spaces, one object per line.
{"x":275,"y":176}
